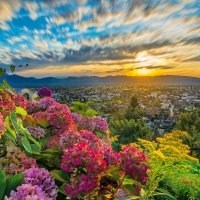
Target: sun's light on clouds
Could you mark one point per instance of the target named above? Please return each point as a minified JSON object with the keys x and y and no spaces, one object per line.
{"x":104,"y":37}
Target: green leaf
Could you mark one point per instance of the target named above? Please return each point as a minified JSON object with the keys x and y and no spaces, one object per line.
{"x":12,"y":68}
{"x":131,"y":182}
{"x":8,"y":87}
{"x":26,"y":144}
{"x":13,"y":119}
{"x":128,"y":198}
{"x":9,"y":134}
{"x":25,"y":132}
{"x":21,"y":111}
{"x":77,"y":103}
{"x":37,"y":98}
{"x":2,"y":72}
{"x":99,"y":133}
{"x":60,"y":175}
{"x":12,"y":183}
{"x":130,"y":189}
{"x":91,"y":112}
{"x":35,"y":149}
{"x":89,"y":103}
{"x":166,"y":193}
{"x":2,"y":184}
{"x":43,"y":141}
{"x":53,"y":152}
{"x":2,"y":140}
{"x":62,"y":190}
{"x":8,"y":128}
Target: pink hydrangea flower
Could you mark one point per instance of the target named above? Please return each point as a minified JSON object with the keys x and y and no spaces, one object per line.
{"x":2,"y":126}
{"x":46,"y":102}
{"x":36,"y":132}
{"x":135,"y":163}
{"x":93,"y":141}
{"x":81,"y":185}
{"x":27,"y":192}
{"x":82,"y":155}
{"x":20,"y":101}
{"x":41,"y":177}
{"x":87,"y":123}
{"x":100,"y":124}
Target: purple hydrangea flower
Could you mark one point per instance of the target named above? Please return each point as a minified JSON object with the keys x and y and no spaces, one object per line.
{"x":44,"y":92}
{"x":36,"y":132}
{"x":87,"y":123}
{"x":42,"y":178}
{"x":26,"y":191}
{"x":100,"y":124}
{"x":76,"y":117}
{"x":46,"y":102}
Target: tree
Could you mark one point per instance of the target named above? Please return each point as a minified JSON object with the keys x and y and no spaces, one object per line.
{"x":134,"y":102}
{"x":131,"y":113}
{"x":190,"y":122}
{"x":129,"y":130}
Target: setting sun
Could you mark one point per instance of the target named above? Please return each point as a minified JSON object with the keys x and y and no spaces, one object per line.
{"x":144,"y":71}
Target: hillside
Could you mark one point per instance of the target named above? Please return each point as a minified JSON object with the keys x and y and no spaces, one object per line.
{"x":19,"y":81}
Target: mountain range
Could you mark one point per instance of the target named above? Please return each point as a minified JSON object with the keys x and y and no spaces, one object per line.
{"x":19,"y":81}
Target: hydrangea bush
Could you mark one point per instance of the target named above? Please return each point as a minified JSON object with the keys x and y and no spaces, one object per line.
{"x":62,"y":154}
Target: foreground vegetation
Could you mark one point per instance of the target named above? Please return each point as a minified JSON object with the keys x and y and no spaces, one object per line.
{"x":47,"y":152}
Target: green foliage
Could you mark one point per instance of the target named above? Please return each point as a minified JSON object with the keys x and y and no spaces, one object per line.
{"x":12,"y":183}
{"x":152,"y":188}
{"x":2,"y":184}
{"x":60,"y":175}
{"x":2,"y":72}
{"x":190,"y":122}
{"x":183,"y":183}
{"x":12,"y":69}
{"x":128,"y":130}
{"x":20,"y":111}
{"x":133,"y":113}
{"x":26,"y":144}
{"x":83,"y":108}
{"x":133,"y":102}
{"x":6,"y":186}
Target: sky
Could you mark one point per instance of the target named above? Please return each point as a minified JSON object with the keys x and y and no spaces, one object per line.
{"x":64,"y":38}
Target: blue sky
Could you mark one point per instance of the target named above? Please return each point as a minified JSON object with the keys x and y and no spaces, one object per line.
{"x":101,"y":37}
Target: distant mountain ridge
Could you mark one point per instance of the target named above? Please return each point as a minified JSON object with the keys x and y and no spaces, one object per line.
{"x":19,"y":81}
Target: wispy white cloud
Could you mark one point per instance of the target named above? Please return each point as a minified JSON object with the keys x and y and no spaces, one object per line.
{"x":8,"y":9}
{"x":32,"y":7}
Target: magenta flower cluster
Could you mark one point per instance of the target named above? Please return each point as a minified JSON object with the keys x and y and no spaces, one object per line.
{"x":53,"y":142}
{"x":46,"y":102}
{"x":36,"y":132}
{"x":2,"y":126}
{"x":44,"y":92}
{"x":32,"y":107}
{"x":100,"y":124}
{"x":93,"y":141}
{"x":42,"y":178}
{"x":135,"y":163}
{"x":87,"y":123}
{"x":57,"y":115}
{"x":20,"y":101}
{"x":81,"y":185}
{"x":90,"y":123}
{"x":82,"y":155}
{"x":27,"y":192}
{"x":7,"y":105}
